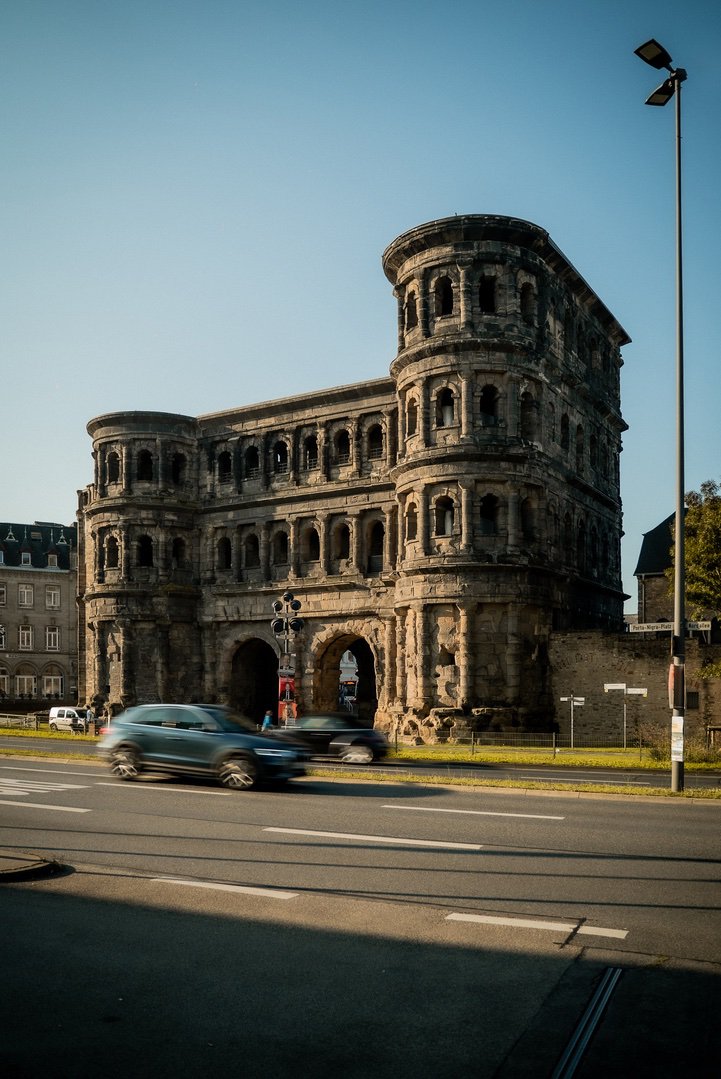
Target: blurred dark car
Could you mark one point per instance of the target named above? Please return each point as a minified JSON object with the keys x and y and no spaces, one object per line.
{"x":335,"y":734}
{"x":196,"y":739}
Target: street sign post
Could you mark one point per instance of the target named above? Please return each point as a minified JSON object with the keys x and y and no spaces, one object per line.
{"x":576,"y":702}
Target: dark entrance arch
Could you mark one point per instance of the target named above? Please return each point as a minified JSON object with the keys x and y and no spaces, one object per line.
{"x":254,"y":680}
{"x":326,"y":682}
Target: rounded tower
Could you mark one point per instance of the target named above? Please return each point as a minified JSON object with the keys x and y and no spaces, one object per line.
{"x":507,"y":477}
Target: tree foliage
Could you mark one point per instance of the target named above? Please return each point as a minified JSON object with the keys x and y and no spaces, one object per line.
{"x":703,"y":549}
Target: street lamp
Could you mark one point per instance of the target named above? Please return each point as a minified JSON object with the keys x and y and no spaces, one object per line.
{"x":286,"y":624}
{"x":654,"y":54}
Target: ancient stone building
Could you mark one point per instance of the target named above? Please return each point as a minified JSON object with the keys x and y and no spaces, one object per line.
{"x":440,"y":523}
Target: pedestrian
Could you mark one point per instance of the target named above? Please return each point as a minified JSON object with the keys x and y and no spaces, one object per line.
{"x":89,"y":718}
{"x":267,"y":721}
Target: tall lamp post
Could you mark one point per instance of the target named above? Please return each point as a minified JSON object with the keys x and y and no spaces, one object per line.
{"x":286,"y":623}
{"x":654,"y":54}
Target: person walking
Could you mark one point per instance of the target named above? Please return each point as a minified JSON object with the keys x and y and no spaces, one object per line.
{"x":267,"y":721}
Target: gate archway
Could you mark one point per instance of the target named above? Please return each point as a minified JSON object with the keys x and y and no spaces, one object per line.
{"x":254,"y":679}
{"x":327,"y":678}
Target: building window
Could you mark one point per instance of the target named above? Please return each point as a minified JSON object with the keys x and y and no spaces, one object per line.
{"x":144,"y":551}
{"x":528,"y":303}
{"x":489,"y":515}
{"x":280,"y":549}
{"x":53,"y":686}
{"x":375,"y":547}
{"x":145,"y":465}
{"x":3,"y":595}
{"x":310,"y":452}
{"x":564,"y":432}
{"x":252,"y":462}
{"x":411,"y":417}
{"x":311,"y":546}
{"x":113,"y":467}
{"x":580,"y":446}
{"x":488,"y":406}
{"x":528,"y":417}
{"x":375,"y":442}
{"x":25,"y":685}
{"x":2,"y":637}
{"x":52,"y":597}
{"x":487,"y":295}
{"x":280,"y":458}
{"x":25,"y":638}
{"x":443,"y":293}
{"x":25,"y":558}
{"x":4,"y":676}
{"x":528,"y":519}
{"x":25,"y":595}
{"x":411,"y":311}
{"x":177,"y":469}
{"x":252,"y":551}
{"x":225,"y":467}
{"x":177,"y":553}
{"x":444,"y":408}
{"x":112,"y":559}
{"x":444,"y":517}
{"x":411,"y":521}
{"x":341,"y":542}
{"x":225,"y":553}
{"x":342,"y":448}
{"x":52,"y":638}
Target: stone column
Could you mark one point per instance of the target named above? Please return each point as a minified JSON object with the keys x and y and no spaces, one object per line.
{"x":423,"y":658}
{"x":294,"y":541}
{"x":357,"y":545}
{"x":423,"y":522}
{"x":513,"y":654}
{"x":265,"y":551}
{"x":127,"y":679}
{"x":512,"y":523}
{"x":398,"y":293}
{"x":423,"y":308}
{"x":385,"y":697}
{"x":466,"y":408}
{"x":400,"y":669}
{"x":126,"y":556}
{"x":465,"y":654}
{"x":402,"y":424}
{"x":424,"y":419}
{"x":126,"y":469}
{"x":466,"y":300}
{"x":466,"y":488}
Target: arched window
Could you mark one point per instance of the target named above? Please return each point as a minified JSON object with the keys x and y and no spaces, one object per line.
{"x":225,"y":553}
{"x":252,"y":462}
{"x":144,"y":551}
{"x":489,"y":515}
{"x":593,"y":451}
{"x":342,"y":448}
{"x":581,"y":546}
{"x":375,"y":442}
{"x":487,"y":294}
{"x":177,"y":553}
{"x":280,"y":458}
{"x":341,"y":542}
{"x":252,"y":551}
{"x":528,"y":519}
{"x":580,"y":446}
{"x":528,"y":303}
{"x":488,"y":406}
{"x":444,"y":517}
{"x":225,"y":466}
{"x":528,"y":416}
{"x":444,"y":408}
{"x":280,"y":549}
{"x":177,"y":469}
{"x":411,"y":521}
{"x":113,"y":467}
{"x":564,"y":432}
{"x":310,"y":452}
{"x":604,"y":459}
{"x":443,"y":293}
{"x":411,"y":311}
{"x":310,"y":546}
{"x":112,"y":554}
{"x":375,"y":547}
{"x":411,"y":417}
{"x":144,"y":469}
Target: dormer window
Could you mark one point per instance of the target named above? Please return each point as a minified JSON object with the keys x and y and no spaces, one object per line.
{"x":25,"y":558}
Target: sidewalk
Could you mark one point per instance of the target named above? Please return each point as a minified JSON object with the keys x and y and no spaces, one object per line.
{"x":24,"y":865}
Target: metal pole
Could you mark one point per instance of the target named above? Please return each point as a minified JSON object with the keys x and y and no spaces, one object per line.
{"x":679,"y":619}
{"x":624,"y":719}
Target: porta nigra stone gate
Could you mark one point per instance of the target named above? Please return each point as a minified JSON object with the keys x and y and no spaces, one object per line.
{"x":440,"y":523}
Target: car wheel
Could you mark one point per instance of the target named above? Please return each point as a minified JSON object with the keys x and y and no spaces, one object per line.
{"x":125,"y":762}
{"x":359,"y":753}
{"x":238,"y":773}
{"x":54,"y":727}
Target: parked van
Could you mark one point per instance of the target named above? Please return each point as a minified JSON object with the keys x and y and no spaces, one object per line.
{"x":67,"y":719}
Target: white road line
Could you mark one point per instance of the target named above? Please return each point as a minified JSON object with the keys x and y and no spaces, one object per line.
{"x":267,"y":893}
{"x":168,"y":790}
{"x":392,"y":840}
{"x":37,"y":805}
{"x":535,"y":923}
{"x":52,"y":771}
{"x":473,"y":812}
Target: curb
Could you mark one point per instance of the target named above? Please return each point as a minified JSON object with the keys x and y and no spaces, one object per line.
{"x":24,"y":865}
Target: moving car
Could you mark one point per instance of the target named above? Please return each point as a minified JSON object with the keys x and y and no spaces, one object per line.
{"x":336,"y":734}
{"x":196,"y":739}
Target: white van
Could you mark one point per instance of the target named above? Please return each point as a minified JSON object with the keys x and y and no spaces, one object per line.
{"x":67,"y":719}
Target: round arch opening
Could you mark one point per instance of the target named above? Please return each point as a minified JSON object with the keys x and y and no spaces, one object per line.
{"x":254,"y":680}
{"x":329,"y":694}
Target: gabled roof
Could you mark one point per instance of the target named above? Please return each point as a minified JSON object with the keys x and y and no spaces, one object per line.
{"x":655,"y":557}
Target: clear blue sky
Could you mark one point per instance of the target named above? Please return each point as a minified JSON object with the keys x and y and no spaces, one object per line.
{"x":195,"y":196}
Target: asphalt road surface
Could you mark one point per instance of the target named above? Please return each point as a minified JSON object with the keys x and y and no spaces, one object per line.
{"x":355,"y":929}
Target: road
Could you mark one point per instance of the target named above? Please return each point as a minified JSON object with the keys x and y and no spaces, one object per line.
{"x":354,"y":929}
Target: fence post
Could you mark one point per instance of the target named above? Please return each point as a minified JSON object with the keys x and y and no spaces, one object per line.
{"x":473,"y":742}
{"x":553,"y":743}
